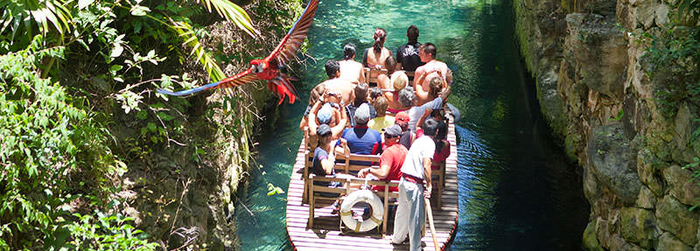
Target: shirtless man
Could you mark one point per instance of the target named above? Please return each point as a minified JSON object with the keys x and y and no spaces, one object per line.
{"x":335,"y":85}
{"x":430,"y":69}
{"x":350,"y":69}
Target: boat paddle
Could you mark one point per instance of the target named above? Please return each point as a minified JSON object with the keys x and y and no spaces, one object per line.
{"x":432,"y":225}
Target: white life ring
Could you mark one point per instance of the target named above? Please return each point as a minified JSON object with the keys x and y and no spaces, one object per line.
{"x":366,"y":196}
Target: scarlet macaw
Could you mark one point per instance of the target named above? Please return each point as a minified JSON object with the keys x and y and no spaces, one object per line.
{"x":268,"y":68}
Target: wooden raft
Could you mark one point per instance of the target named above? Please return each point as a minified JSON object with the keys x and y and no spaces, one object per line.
{"x":326,"y":234}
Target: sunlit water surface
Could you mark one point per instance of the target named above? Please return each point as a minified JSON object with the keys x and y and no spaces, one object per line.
{"x":516,"y":191}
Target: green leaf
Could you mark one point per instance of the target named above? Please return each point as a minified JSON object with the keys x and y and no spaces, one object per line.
{"x":141,"y":115}
{"x":151,"y":126}
{"x":139,"y":10}
{"x":116,"y":51}
{"x":115,"y":68}
{"x":84,"y":3}
{"x":164,"y":116}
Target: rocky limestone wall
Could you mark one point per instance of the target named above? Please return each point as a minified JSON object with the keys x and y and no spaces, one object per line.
{"x":598,"y":96}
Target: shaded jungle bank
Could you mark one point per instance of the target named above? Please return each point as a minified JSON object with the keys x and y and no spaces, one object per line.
{"x":618,"y":82}
{"x":92,"y":157}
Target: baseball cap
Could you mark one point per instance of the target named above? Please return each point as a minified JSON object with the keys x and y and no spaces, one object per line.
{"x":325,"y":113}
{"x":393,"y":130}
{"x":323,"y":130}
{"x":362,"y":114}
{"x":401,"y":117}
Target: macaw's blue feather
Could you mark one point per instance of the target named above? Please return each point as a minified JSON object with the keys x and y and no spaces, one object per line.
{"x":189,"y":91}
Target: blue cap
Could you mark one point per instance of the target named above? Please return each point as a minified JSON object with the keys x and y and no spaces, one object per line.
{"x":323,"y":130}
{"x":324,"y":114}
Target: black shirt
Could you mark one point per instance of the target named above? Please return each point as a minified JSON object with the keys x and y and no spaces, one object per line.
{"x":407,"y":55}
{"x":405,"y":139}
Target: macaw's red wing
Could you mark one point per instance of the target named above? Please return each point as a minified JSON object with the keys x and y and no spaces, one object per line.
{"x":282,"y":86}
{"x":295,"y":37}
{"x":239,"y":79}
{"x":233,"y":81}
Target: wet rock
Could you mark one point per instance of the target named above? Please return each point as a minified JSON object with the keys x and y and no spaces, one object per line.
{"x":646,"y":170}
{"x":621,"y":244}
{"x":681,"y":185}
{"x":639,"y":226}
{"x":669,"y":243}
{"x":609,"y":156}
{"x":674,"y":217}
{"x":598,"y":51}
{"x":646,"y":12}
{"x":639,"y":64}
{"x":618,"y":243}
{"x":590,"y":241}
{"x":662,"y":19}
{"x":550,"y":103}
{"x":683,"y":124}
{"x":646,"y":199}
{"x":602,"y":230}
{"x":591,"y":187}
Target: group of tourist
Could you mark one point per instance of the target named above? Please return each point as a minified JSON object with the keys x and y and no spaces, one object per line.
{"x":404,"y":124}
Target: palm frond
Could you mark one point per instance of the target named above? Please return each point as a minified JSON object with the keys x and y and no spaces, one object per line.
{"x":185,"y":31}
{"x":43,"y":16}
{"x":232,"y":12}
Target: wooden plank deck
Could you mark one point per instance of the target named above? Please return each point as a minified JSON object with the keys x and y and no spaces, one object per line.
{"x":326,"y":234}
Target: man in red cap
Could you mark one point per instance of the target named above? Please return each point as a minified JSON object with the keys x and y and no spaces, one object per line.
{"x":401,"y":119}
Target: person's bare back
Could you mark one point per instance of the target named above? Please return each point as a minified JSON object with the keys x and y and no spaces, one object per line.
{"x":351,"y":70}
{"x":342,"y":86}
{"x":432,"y":69}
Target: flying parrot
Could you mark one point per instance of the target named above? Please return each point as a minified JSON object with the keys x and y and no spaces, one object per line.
{"x":268,"y":68}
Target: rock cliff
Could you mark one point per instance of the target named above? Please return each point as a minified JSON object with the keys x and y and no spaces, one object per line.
{"x":599,"y":91}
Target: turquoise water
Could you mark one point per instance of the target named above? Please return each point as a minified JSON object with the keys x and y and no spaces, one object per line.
{"x":516,"y":190}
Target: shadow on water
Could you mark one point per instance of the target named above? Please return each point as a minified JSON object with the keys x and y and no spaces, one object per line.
{"x":516,"y":190}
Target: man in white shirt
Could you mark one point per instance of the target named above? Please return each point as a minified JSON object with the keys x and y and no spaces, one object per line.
{"x":417,"y":111}
{"x":415,"y":185}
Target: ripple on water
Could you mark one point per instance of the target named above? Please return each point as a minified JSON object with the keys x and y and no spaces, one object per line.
{"x":508,"y":180}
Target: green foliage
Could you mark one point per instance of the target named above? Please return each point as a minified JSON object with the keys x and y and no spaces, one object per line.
{"x":48,"y":141}
{"x":107,"y":232}
{"x":675,"y":57}
{"x":689,"y":11}
{"x":695,"y":136}
{"x":57,"y":154}
{"x":695,"y":176}
{"x":23,"y":19}
{"x":272,"y":189}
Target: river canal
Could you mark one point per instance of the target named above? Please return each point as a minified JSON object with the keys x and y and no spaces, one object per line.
{"x":516,"y":190}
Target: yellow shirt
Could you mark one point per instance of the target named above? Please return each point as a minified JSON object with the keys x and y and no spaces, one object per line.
{"x":379,"y":123}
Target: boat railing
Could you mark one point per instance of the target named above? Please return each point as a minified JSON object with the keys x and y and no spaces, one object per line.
{"x":348,"y":185}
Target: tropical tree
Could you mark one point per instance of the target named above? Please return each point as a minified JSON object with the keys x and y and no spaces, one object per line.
{"x":54,"y":145}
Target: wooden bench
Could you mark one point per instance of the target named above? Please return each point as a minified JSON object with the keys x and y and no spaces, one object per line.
{"x":438,"y":179}
{"x":372,"y":74}
{"x":344,"y":167}
{"x":348,"y":185}
{"x":410,"y":75}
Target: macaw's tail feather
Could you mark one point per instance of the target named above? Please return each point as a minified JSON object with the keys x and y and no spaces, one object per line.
{"x":189,"y":91}
{"x":282,"y":86}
